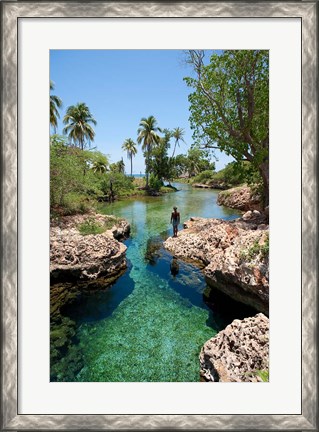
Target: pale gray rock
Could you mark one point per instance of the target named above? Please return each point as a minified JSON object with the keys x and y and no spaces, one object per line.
{"x":234,"y":254}
{"x":242,"y":198}
{"x":86,"y":257}
{"x":239,"y":353}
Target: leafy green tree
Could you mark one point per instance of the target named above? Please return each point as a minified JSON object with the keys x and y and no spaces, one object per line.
{"x":180,"y":165}
{"x":159,"y":162}
{"x":130,"y":147}
{"x":78,"y":120}
{"x":115,"y":183}
{"x":70,"y":189}
{"x":155,"y":182}
{"x":65,"y":172}
{"x":230,"y":106}
{"x":148,"y":137}
{"x":178,"y":134}
{"x":55,"y":104}
{"x":198,"y":160}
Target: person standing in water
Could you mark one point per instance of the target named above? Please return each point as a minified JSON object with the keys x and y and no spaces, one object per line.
{"x":175,"y":220}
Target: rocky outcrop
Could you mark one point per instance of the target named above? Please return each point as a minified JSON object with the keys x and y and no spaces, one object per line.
{"x":201,"y":185}
{"x":240,"y":353}
{"x":241,"y":198}
{"x":212,"y":184}
{"x":76,"y":257}
{"x":234,"y":253}
{"x":80,"y":264}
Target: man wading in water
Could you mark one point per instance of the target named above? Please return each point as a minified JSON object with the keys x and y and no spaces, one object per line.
{"x":175,"y":219}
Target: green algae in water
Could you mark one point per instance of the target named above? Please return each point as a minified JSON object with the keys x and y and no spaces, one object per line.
{"x":153,"y":325}
{"x":154,"y":335}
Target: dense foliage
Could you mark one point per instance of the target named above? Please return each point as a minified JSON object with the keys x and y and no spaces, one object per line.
{"x":230,"y":106}
{"x":80,"y":177}
{"x":232,"y":175}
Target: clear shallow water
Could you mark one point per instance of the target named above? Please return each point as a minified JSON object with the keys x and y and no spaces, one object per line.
{"x":151,"y":324}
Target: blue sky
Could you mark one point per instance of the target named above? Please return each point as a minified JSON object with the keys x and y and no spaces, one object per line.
{"x":122,"y":86}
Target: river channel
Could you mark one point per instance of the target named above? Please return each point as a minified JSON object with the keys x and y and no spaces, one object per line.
{"x":150,"y":325}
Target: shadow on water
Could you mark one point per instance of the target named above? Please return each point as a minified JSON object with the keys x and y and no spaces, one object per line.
{"x":223,"y":309}
{"x":188,"y":280}
{"x":99,"y":304}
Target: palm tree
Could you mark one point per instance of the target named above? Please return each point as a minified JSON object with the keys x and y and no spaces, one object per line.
{"x":147,"y":134}
{"x":99,"y":166}
{"x":55,"y":104}
{"x":130,"y":147}
{"x":178,"y":134}
{"x":121,"y":166}
{"x":77,"y":120}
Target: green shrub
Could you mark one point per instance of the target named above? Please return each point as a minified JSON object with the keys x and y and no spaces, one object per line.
{"x":263,"y":374}
{"x":91,"y":227}
{"x":203,"y":177}
{"x":237,"y":173}
{"x":74,"y":203}
{"x":119,"y":183}
{"x":155,"y":183}
{"x":255,"y":250}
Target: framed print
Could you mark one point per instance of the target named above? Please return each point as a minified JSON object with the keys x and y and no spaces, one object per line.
{"x":107,"y":329}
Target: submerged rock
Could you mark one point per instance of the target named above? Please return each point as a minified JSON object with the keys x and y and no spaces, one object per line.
{"x":242,"y":198}
{"x":240,"y":353}
{"x":234,"y":253}
{"x":74,"y":256}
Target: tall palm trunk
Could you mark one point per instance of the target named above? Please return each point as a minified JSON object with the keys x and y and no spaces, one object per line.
{"x":131,"y":165}
{"x":174,"y":149}
{"x":147,"y":165}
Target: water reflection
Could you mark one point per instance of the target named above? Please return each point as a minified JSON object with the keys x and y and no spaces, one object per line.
{"x":174,"y":267}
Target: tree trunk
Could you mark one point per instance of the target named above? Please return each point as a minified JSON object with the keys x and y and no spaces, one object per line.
{"x":146,"y":169}
{"x":264,"y":172}
{"x":131,"y":166}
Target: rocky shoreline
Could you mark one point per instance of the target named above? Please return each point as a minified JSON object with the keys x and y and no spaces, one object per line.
{"x":79,"y":265}
{"x":235,"y":257}
{"x":211,"y":185}
{"x":77,"y":257}
{"x":239,"y":353}
{"x":242,"y":198}
{"x":234,"y":254}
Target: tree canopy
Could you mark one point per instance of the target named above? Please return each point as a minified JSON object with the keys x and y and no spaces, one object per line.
{"x":148,"y":137}
{"x":55,"y":104}
{"x":130,"y":147}
{"x":230,"y":106}
{"x":78,"y":120}
{"x":178,"y":134}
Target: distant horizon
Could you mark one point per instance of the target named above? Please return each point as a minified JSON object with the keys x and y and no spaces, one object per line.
{"x":122,"y":86}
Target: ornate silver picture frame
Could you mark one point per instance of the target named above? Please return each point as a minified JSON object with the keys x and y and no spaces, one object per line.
{"x":11,"y":11}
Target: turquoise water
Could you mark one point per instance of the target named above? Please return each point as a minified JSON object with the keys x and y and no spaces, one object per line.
{"x":151,"y":324}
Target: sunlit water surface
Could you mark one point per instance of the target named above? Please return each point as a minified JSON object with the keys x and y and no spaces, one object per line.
{"x":151,"y":324}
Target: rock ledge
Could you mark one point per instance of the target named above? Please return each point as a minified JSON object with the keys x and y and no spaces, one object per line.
{"x":240,"y":198}
{"x":76,"y":257}
{"x":238,"y":353}
{"x":234,"y":253}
